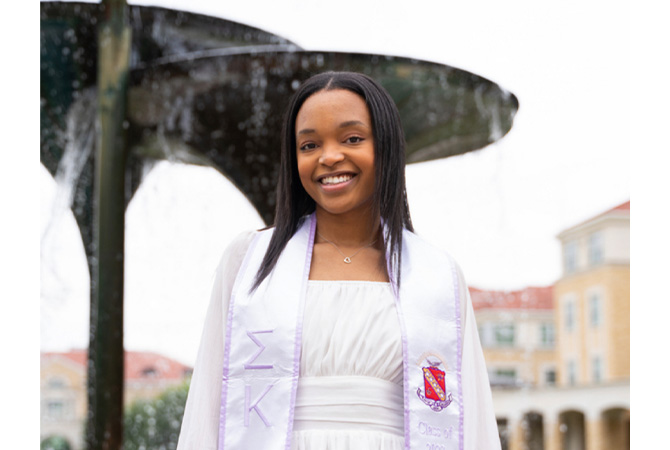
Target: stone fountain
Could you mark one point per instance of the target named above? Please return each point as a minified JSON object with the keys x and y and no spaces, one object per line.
{"x":206,"y":91}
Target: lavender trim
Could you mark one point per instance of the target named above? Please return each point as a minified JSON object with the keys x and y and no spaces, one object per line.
{"x":457,"y":297}
{"x":229,"y":326}
{"x":298,"y":331}
{"x":405,"y":357}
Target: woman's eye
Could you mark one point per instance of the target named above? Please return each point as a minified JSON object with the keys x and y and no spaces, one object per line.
{"x":354,"y":139}
{"x":308,"y":146}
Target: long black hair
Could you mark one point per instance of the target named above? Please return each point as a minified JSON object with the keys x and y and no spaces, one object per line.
{"x":390,"y":196}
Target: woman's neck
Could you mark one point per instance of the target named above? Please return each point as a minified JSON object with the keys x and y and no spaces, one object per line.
{"x":354,"y":229}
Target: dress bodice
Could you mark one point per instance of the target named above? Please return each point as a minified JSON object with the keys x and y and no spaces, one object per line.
{"x":350,"y":387}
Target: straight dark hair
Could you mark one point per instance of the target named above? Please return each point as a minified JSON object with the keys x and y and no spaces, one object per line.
{"x":390,"y":196}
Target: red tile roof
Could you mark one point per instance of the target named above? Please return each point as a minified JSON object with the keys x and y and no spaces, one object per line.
{"x":138,"y":365}
{"x":537,"y":298}
{"x":622,"y":207}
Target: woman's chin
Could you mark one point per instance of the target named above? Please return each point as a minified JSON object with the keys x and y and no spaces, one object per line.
{"x":343,"y":209}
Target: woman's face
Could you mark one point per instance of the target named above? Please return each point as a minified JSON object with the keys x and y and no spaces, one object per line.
{"x":335,"y":151}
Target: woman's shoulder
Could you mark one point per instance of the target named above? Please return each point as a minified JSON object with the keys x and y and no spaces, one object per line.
{"x":240,"y":243}
{"x":429,"y":253}
{"x":414,"y":243}
{"x":234,"y":253}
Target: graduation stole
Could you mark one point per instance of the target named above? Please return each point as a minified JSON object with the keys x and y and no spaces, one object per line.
{"x":263,"y":342}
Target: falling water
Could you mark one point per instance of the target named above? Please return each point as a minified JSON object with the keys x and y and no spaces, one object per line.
{"x":64,"y":274}
{"x":79,"y":143}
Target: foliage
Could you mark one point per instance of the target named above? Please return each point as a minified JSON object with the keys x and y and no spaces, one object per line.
{"x":55,"y":443}
{"x":154,"y":424}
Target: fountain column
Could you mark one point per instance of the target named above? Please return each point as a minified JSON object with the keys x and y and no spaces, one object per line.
{"x":104,"y":429}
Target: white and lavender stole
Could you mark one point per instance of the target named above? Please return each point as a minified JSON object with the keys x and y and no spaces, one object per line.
{"x":263,"y":342}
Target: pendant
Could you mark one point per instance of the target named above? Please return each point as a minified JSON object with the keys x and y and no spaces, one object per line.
{"x":347,"y":260}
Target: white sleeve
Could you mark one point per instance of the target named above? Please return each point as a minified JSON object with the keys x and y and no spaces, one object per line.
{"x":480,"y":431}
{"x":200,"y":425}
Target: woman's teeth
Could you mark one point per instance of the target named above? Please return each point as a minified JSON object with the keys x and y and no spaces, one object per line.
{"x":337,"y":179}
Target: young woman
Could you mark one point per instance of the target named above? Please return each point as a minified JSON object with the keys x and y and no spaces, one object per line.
{"x":339,"y":328}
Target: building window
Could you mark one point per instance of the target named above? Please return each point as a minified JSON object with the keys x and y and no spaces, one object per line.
{"x":149,"y":372}
{"x":595,"y":309}
{"x":572,"y":373}
{"x":504,"y":335}
{"x":56,"y":383}
{"x":597,"y":369}
{"x":55,"y":409}
{"x":503,"y":377}
{"x":595,"y":249}
{"x":485,"y":331}
{"x":547,"y":334}
{"x":570,"y":315}
{"x":570,"y":257}
{"x":550,"y":377}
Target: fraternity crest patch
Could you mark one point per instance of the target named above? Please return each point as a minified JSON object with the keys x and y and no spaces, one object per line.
{"x":435,"y":395}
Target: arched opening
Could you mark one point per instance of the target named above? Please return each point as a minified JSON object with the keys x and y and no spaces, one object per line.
{"x":503,"y":432}
{"x":533,"y":431}
{"x":616,"y":429}
{"x":571,"y":426}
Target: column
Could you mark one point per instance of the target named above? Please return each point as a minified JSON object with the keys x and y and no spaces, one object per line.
{"x":594,"y":431}
{"x":552,"y":433}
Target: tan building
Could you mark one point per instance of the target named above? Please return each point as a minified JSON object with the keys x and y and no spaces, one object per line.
{"x":63,"y":388}
{"x":574,"y":395}
{"x":593,"y":300}
{"x":516,"y":330}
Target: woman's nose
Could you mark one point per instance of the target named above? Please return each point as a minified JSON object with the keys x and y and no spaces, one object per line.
{"x":331,"y":154}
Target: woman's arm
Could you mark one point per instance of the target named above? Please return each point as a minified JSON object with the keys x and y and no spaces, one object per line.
{"x":200,"y":426}
{"x":479,"y":424}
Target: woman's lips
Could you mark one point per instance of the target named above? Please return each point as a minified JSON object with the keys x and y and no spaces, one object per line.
{"x":336,"y":182}
{"x":336,"y":179}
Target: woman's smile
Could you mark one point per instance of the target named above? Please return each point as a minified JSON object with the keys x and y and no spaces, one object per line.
{"x":328,"y":180}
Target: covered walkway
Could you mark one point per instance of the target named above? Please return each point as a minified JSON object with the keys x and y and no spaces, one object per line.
{"x":565,"y":418}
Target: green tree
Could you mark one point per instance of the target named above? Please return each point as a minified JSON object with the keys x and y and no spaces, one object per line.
{"x":55,"y":443}
{"x":154,"y":424}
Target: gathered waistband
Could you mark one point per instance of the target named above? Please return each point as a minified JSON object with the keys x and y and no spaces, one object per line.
{"x":349,"y":403}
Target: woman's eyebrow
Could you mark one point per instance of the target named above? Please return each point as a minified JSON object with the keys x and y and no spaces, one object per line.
{"x":350,"y":123}
{"x":306,"y":131}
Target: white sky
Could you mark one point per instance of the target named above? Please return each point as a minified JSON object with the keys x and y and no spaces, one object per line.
{"x":497,"y":211}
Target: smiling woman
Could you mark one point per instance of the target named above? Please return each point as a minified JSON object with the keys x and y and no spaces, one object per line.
{"x":341,"y":329}
{"x":361,"y":105}
{"x":335,"y":157}
{"x":336,"y":152}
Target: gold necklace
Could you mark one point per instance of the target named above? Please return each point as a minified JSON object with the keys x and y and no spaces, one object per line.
{"x":347,"y":259}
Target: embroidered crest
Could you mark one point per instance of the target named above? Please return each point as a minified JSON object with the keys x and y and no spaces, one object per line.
{"x":433,"y":380}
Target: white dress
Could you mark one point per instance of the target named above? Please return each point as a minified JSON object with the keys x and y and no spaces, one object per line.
{"x":350,"y":388}
{"x":349,"y":392}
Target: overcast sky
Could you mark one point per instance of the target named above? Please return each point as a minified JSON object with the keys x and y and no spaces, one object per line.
{"x":497,"y":211}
